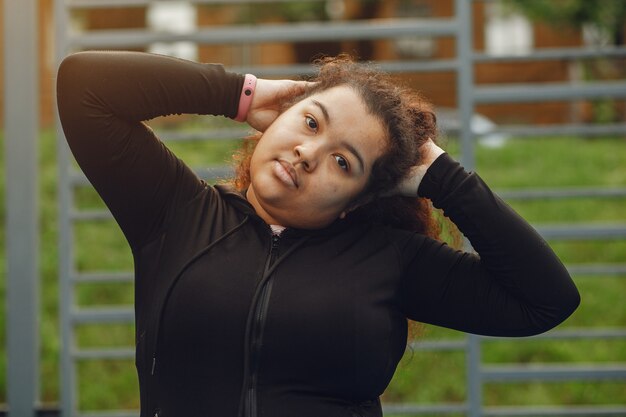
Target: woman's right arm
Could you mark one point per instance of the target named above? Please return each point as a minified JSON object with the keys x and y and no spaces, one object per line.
{"x":103,"y":99}
{"x":514,"y":285}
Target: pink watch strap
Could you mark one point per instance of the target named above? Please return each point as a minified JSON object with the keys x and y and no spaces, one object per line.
{"x":247,"y":92}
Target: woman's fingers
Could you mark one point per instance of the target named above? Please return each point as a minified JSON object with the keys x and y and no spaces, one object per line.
{"x":269,"y":99}
{"x":430,"y":151}
{"x":409,"y":185}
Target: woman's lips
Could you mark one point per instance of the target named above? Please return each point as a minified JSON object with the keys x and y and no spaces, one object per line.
{"x":286,"y":173}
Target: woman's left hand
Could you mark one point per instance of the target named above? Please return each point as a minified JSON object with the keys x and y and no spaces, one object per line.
{"x":269,"y":98}
{"x":409,"y":185}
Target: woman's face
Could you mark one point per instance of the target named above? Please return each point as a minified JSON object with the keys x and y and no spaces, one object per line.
{"x":314,"y":159}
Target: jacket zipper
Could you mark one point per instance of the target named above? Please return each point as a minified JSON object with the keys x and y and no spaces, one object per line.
{"x":256,"y":332}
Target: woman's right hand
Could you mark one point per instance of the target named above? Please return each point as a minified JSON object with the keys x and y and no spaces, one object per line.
{"x":269,"y":98}
{"x":409,"y":185}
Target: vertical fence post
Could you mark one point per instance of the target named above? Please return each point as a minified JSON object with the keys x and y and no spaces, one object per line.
{"x":474,"y":383}
{"x":21,"y":133}
{"x":465,"y":80}
{"x":465,"y":105}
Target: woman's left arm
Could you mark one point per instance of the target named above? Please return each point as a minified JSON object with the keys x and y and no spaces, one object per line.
{"x":514,"y":286}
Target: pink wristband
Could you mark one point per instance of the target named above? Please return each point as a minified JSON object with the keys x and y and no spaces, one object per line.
{"x":249,"y":84}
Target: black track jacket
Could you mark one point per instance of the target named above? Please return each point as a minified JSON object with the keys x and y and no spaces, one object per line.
{"x":233,"y":321}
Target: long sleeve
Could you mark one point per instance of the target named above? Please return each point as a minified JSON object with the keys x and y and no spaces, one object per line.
{"x":103,"y":99}
{"x":515,"y":286}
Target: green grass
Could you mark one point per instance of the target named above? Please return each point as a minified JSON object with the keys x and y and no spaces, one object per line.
{"x":422,"y":376}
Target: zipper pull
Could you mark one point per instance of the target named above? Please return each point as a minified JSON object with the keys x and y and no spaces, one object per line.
{"x":274,"y":249}
{"x":153,"y":365}
{"x":275,"y":240}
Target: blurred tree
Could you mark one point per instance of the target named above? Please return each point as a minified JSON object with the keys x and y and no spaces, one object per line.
{"x":607,"y":16}
{"x":606,"y":21}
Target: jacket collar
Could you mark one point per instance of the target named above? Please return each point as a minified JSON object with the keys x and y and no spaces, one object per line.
{"x":238,"y":200}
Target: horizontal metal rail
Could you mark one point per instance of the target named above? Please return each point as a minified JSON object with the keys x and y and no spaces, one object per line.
{"x":208,"y":173}
{"x":112,"y":413}
{"x":77,"y":179}
{"x":562,"y":193}
{"x":102,"y":277}
{"x":551,"y":372}
{"x":565,"y":411}
{"x":215,"y":174}
{"x":94,"y":354}
{"x":545,"y":54}
{"x":451,"y":408}
{"x":514,"y":93}
{"x":91,"y":215}
{"x":567,"y":334}
{"x":387,"y":66}
{"x":583,"y":231}
{"x":583,"y":334}
{"x":103,"y":315}
{"x":573,"y":129}
{"x":597,"y":270}
{"x":107,"y":4}
{"x":294,"y":32}
{"x":439,"y":345}
{"x":212,"y":134}
{"x":508,"y":411}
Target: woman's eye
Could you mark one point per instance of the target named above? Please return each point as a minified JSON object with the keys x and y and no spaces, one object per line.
{"x":311,"y":123}
{"x":342,"y":162}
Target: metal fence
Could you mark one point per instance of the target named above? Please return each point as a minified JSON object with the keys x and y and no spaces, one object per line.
{"x":477,"y":373}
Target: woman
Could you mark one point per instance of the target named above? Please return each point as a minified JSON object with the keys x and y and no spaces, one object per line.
{"x":289,"y":295}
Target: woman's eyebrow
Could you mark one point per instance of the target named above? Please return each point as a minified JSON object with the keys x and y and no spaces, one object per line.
{"x":323,"y":109}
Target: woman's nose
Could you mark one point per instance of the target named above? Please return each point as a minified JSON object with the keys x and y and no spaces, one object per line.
{"x":307,"y":155}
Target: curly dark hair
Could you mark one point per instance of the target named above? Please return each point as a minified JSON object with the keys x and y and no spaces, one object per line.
{"x":409,"y":121}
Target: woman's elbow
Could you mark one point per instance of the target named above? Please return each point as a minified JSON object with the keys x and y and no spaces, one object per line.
{"x":569,"y":297}
{"x":572,"y":301}
{"x":69,"y":67}
{"x":549,"y":317}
